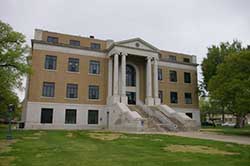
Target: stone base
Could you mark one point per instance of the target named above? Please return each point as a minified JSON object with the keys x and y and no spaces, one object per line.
{"x":157,"y":101}
{"x":124,"y":99}
{"x":114,"y":99}
{"x":149,"y":101}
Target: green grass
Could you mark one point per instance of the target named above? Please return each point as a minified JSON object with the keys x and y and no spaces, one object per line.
{"x":229,"y":130}
{"x":55,"y":148}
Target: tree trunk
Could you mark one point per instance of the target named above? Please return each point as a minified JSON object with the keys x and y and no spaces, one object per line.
{"x":240,"y":121}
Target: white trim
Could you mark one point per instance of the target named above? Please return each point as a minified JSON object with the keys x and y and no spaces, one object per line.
{"x":67,"y":50}
{"x":175,"y":65}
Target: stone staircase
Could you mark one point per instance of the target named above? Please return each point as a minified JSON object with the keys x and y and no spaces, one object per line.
{"x":163,"y":118}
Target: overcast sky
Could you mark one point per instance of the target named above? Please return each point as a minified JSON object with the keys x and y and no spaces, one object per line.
{"x":187,"y":26}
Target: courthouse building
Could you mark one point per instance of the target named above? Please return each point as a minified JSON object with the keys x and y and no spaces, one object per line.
{"x":87,"y":83}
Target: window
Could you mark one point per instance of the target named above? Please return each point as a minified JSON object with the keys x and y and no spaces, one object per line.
{"x":173,"y":76}
{"x":94,"y":67}
{"x":160,"y":77}
{"x":173,"y":97}
{"x":188,"y":98}
{"x":130,"y":76}
{"x":161,"y":95}
{"x":172,"y":57}
{"x":70,"y":116}
{"x":93,"y":117}
{"x":190,"y":115}
{"x":52,"y":39}
{"x":46,"y":115}
{"x":187,"y":60}
{"x":93,"y":92}
{"x":73,"y":65}
{"x":50,"y":62}
{"x":48,"y":89}
{"x":74,"y":42}
{"x":95,"y":46}
{"x":187,"y":77}
{"x":72,"y":90}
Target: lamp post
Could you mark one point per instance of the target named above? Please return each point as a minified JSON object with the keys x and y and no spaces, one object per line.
{"x":11,"y":108}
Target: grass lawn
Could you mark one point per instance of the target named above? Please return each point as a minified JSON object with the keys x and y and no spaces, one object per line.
{"x":73,"y":148}
{"x":228,"y":130}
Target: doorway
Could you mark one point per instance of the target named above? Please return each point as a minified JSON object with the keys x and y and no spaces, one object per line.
{"x":131,"y":97}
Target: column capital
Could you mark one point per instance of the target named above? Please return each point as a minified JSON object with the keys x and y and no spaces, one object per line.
{"x":124,"y":54}
{"x":149,"y":58}
{"x":156,"y":59}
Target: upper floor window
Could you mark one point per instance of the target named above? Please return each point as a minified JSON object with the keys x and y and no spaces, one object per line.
{"x":50,"y":62}
{"x":70,"y":116}
{"x":52,"y":39}
{"x":95,"y":46}
{"x":173,"y":97}
{"x":94,"y":67}
{"x":173,"y":76}
{"x":74,"y":42}
{"x":48,"y":89}
{"x":73,"y":65}
{"x":187,"y":60}
{"x":188,"y":98}
{"x":172,"y":57}
{"x":93,"y":92}
{"x":72,"y":91}
{"x":130,"y":76}
{"x":187,"y":77}
{"x":161,"y":95}
{"x":160,"y":77}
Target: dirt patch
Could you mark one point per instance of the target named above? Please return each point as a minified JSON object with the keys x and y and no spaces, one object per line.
{"x":157,"y":140}
{"x":6,"y":160}
{"x":105,"y":136}
{"x":30,"y":138}
{"x":5,"y":145}
{"x":40,"y":133}
{"x":197,"y":149}
{"x":70,"y":135}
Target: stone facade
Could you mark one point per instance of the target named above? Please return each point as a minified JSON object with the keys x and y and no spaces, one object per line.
{"x":113,"y":58}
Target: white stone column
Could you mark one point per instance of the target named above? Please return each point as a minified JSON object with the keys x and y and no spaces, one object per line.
{"x":110,"y":75}
{"x":115,"y":97}
{"x":124,"y":98}
{"x":156,"y":88}
{"x":149,"y":100}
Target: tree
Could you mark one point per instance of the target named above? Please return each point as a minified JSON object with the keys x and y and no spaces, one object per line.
{"x":215,"y":56}
{"x":231,"y":85}
{"x":13,"y":65}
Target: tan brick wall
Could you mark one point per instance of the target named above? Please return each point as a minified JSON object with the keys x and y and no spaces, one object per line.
{"x":61,"y":77}
{"x":179,"y":56}
{"x":180,"y":87}
{"x":64,"y":38}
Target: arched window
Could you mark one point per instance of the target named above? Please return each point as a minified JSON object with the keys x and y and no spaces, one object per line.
{"x":130,"y":76}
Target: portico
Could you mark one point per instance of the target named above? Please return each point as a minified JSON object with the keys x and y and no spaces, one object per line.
{"x":118,"y":54}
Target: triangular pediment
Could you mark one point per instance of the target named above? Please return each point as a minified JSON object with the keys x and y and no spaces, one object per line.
{"x":137,"y":43}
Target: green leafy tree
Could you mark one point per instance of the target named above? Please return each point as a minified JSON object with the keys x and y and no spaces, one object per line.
{"x":13,"y":65}
{"x":231,"y":85}
{"x":215,"y":56}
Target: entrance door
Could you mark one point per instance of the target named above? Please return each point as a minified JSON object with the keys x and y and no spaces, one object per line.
{"x":131,"y":97}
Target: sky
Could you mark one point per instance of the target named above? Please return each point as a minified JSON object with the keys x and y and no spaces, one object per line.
{"x":186,"y":26}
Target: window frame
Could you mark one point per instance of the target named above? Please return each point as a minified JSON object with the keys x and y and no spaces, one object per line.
{"x":160,"y":74}
{"x":72,"y":65}
{"x":170,"y":76}
{"x":73,"y":43}
{"x":94,"y":45}
{"x":176,"y":100}
{"x":94,"y":64}
{"x":172,"y":58}
{"x":188,"y":100}
{"x":48,"y":91}
{"x":47,"y":64}
{"x":68,"y":89}
{"x":185,"y":74}
{"x":52,"y":39}
{"x":93,"y":120}
{"x":161,"y":95}
{"x":186,"y":60}
{"x":69,"y":114}
{"x":90,"y":92}
{"x":46,"y":120}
